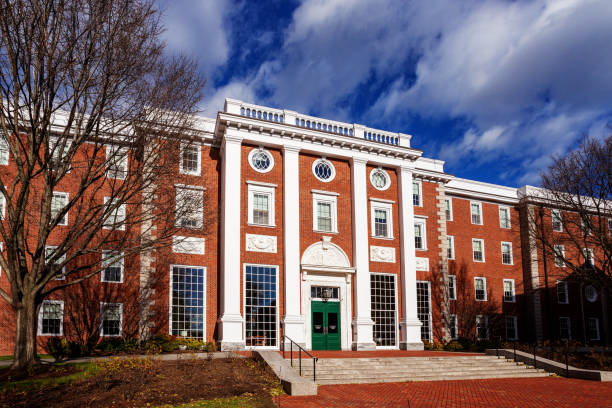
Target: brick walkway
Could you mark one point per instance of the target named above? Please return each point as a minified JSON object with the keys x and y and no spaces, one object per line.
{"x":520,"y":392}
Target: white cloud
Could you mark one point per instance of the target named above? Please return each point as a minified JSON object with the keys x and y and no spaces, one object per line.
{"x":235,"y":90}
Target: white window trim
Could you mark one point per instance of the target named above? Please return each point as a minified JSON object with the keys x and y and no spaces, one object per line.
{"x":205,"y":308}
{"x":590,"y":257}
{"x":3,"y":140}
{"x":452,"y":246}
{"x":564,"y":284}
{"x":450,"y":207}
{"x":420,"y":184}
{"x":504,"y":207}
{"x":198,"y":172}
{"x":102,"y":306}
{"x":387,"y":178}
{"x":513,"y":291}
{"x":456,"y":327}
{"x":331,"y":166}
{"x":480,"y":212}
{"x":385,"y":206}
{"x":54,"y":140}
{"x":596,"y":320}
{"x":486,"y":324}
{"x":395,"y":347}
{"x":331,"y":198}
{"x":515,"y":319}
{"x":422,"y":221}
{"x":562,"y":250}
{"x":113,"y":217}
{"x":552,"y":213}
{"x":267,"y":153}
{"x":569,"y":327}
{"x":278,"y":336}
{"x":177,"y":220}
{"x":454,"y":279}
{"x":67,"y":201}
{"x":40,"y":318}
{"x":511,"y":253}
{"x":484,"y":281}
{"x":267,"y":190}
{"x":103,"y":264}
{"x":124,"y":161}
{"x":483,"y":249}
{"x":3,"y":209}
{"x":62,"y":259}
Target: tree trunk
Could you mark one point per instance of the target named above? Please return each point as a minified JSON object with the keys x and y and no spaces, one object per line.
{"x":25,"y":336}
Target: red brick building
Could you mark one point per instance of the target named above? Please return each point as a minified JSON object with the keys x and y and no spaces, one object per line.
{"x":336,"y":235}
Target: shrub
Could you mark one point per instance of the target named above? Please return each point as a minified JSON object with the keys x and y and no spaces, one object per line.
{"x":454,"y":346}
{"x":427,"y":345}
{"x":57,"y":347}
{"x":437,"y":346}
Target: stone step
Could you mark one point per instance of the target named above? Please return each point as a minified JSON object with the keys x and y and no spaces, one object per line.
{"x":339,"y":371}
{"x":371,"y":374}
{"x":415,"y":364}
{"x":447,"y":377}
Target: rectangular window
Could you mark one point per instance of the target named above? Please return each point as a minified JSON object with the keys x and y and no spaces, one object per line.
{"x":476,"y":212}
{"x":382,"y":289}
{"x":454,"y":331}
{"x":111,"y":318}
{"x":324,"y":292}
{"x":382,"y":222}
{"x":565,"y":328}
{"x":58,"y":202}
{"x":424,"y":309}
{"x":480,"y":289}
{"x":190,"y":159}
{"x":562,"y":295}
{"x":51,"y":318}
{"x":478,"y":250}
{"x":261,"y":209}
{"x":450,"y":247}
{"x":260,"y":305}
{"x":419,"y":235}
{"x":416,"y":193}
{"x":506,"y":253}
{"x":115,"y":214}
{"x":448,"y":208}
{"x":504,"y":217}
{"x":4,"y":150}
{"x":593,"y":328}
{"x":116,"y":162}
{"x":452,"y":287}
{"x":189,"y":207}
{"x":511,"y":328}
{"x":482,"y":327}
{"x":325,"y":212}
{"x":2,"y":207}
{"x":559,"y":256}
{"x":588,"y":256}
{"x":112,"y":266}
{"x":324,"y":217}
{"x":57,"y":154}
{"x":188,"y":301}
{"x":49,"y":254}
{"x":509,"y":295}
{"x":557,"y":221}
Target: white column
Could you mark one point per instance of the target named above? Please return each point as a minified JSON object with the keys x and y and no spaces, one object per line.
{"x":293,"y":321}
{"x":231,"y":321}
{"x":410,"y":326}
{"x":363,"y":336}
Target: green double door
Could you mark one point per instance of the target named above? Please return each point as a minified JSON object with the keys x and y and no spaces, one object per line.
{"x":325,"y":325}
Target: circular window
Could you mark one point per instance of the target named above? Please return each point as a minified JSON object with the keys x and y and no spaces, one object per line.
{"x":590,"y":293}
{"x":323,"y":170}
{"x":261,"y":160}
{"x":380,"y":179}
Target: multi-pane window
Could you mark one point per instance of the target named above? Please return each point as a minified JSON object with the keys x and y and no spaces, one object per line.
{"x":557,"y":221}
{"x":482,"y":327}
{"x":452,"y":326}
{"x":190,"y":159}
{"x":509,"y":290}
{"x":380,"y":179}
{"x":324,"y":212}
{"x":260,"y":305}
{"x":424,"y":309}
{"x":381,"y":223}
{"x":562,"y":295}
{"x":116,"y":162}
{"x":2,"y":207}
{"x":324,"y":292}
{"x":112,"y":266}
{"x":51,"y":318}
{"x":452,"y":287}
{"x":450,"y":247}
{"x":58,"y":202}
{"x":504,"y":217}
{"x":588,"y":256}
{"x":324,"y":216}
{"x":382,"y":288}
{"x":506,"y":253}
{"x":448,"y":208}
{"x":116,"y":214}
{"x":480,"y":289}
{"x":261,"y":160}
{"x":478,"y":250}
{"x":187,"y":301}
{"x":59,"y":150}
{"x":476,"y":213}
{"x":565,"y":328}
{"x":189,"y":207}
{"x":416,"y":193}
{"x":4,"y":150}
{"x":111,"y":316}
{"x":324,"y":170}
{"x":60,"y":274}
{"x":419,"y":242}
{"x":511,"y":328}
{"x":585,"y":225}
{"x":261,"y":209}
{"x":559,"y":251}
{"x":593,"y":328}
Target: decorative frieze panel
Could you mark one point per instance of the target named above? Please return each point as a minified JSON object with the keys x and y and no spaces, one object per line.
{"x":382,"y":254}
{"x":188,"y":245}
{"x":422,"y":264}
{"x":260,"y":243}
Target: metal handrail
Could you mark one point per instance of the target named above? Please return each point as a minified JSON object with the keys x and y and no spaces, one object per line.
{"x":300,"y":350}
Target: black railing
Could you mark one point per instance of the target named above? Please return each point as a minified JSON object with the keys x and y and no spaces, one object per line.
{"x":300,"y":349}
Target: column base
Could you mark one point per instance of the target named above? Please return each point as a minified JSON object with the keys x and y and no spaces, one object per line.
{"x":363,"y":334}
{"x":410,"y":331}
{"x":232,"y":346}
{"x":363,"y":346}
{"x":230,"y":332}
{"x":411,"y":346}
{"x":293,"y":328}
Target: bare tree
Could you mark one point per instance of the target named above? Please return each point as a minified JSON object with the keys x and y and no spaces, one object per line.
{"x":90,"y":107}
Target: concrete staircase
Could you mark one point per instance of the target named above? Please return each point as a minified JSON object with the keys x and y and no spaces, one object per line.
{"x":400,"y":369}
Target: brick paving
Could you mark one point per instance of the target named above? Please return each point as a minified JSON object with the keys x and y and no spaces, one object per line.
{"x":511,"y":392}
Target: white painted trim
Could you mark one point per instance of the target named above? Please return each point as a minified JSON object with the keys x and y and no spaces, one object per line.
{"x":450,"y":202}
{"x":420,"y":184}
{"x":40,"y":319}
{"x":456,"y":327}
{"x":278,"y":337}
{"x":507,"y":209}
{"x":388,"y":208}
{"x":381,"y":200}
{"x":331,"y":166}
{"x":103,"y":261}
{"x":190,"y":187}
{"x":323,"y":192}
{"x":325,"y":198}
{"x":205,"y":306}
{"x":566,"y":289}
{"x":554,"y":211}
{"x":124,"y":162}
{"x":454,"y":279}
{"x":562,"y":250}
{"x":387,"y":179}
{"x":114,"y":215}
{"x":62,"y":259}
{"x":67,"y":196}
{"x":479,"y":204}
{"x":395,"y":283}
{"x":261,"y":184}
{"x":264,"y":151}
{"x":188,"y":245}
{"x":181,"y":190}
{"x":450,"y":238}
{"x":513,"y":291}
{"x":102,"y":306}
{"x":514,"y":318}
{"x":486,"y":324}
{"x":264,"y":190}
{"x":484,"y":280}
{"x":197,"y":172}
{"x":511,"y":253}
{"x":423,"y":224}
{"x":483,"y":250}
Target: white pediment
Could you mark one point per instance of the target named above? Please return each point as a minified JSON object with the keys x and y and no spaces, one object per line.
{"x":325,"y":254}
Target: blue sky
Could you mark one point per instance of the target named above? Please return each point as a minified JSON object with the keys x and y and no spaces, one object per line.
{"x":493,"y":87}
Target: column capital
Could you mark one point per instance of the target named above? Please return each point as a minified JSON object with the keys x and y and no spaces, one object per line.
{"x":291,"y":149}
{"x":359,"y":160}
{"x":232,"y":139}
{"x":406,"y":168}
